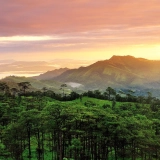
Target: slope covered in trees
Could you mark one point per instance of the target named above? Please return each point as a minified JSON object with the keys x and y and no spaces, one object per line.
{"x":117,"y":72}
{"x":35,"y":126}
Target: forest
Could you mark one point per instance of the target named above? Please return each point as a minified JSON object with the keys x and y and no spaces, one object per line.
{"x":43,"y":125}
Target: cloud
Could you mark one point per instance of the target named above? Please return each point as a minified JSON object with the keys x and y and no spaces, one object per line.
{"x":56,"y":17}
{"x":38,"y":28}
{"x":113,"y":35}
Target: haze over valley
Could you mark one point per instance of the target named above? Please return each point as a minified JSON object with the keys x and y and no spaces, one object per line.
{"x":119,"y":72}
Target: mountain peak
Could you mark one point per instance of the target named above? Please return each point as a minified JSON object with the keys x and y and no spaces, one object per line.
{"x":117,"y":58}
{"x":124,"y":58}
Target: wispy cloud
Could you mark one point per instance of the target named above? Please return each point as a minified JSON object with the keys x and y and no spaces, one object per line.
{"x":48,"y":26}
{"x":50,"y":17}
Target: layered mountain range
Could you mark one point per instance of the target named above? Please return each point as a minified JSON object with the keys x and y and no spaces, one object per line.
{"x":34,"y":68}
{"x":117,"y":72}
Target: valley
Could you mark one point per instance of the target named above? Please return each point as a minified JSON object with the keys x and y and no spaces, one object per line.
{"x":119,"y":72}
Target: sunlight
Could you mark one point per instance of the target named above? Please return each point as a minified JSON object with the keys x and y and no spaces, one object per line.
{"x":26,"y":38}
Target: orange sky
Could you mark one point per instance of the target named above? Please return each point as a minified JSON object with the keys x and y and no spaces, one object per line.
{"x":79,"y":29}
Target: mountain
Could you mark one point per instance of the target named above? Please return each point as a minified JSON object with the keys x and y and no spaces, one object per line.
{"x":37,"y":85}
{"x":50,"y":74}
{"x":33,"y":68}
{"x":12,"y":81}
{"x":117,"y":72}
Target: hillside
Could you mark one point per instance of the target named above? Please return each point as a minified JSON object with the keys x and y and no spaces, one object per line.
{"x":50,"y":74}
{"x":36,"y":84}
{"x":117,"y":72}
{"x":12,"y":81}
{"x":107,"y":125}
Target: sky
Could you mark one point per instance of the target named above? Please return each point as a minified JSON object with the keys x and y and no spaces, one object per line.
{"x":43,"y":30}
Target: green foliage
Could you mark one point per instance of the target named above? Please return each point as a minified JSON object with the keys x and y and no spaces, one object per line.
{"x":40,"y":127}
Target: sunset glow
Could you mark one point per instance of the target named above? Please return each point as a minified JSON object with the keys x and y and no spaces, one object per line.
{"x":25,"y":38}
{"x":81,"y":29}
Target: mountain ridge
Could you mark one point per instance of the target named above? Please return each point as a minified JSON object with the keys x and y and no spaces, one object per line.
{"x":50,"y":74}
{"x":118,"y":71}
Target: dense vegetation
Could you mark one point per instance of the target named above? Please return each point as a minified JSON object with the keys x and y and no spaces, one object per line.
{"x":49,"y":126}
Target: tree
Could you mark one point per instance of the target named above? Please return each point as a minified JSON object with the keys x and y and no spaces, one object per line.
{"x":62,"y":87}
{"x":74,"y":95}
{"x":97,"y":94}
{"x":29,"y":120}
{"x":110,"y":91}
{"x":13,"y":91}
{"x":130,"y":97}
{"x":24,"y":86}
{"x":44,"y":89}
{"x":4,"y":87}
{"x":149,"y":97}
{"x":13,"y":139}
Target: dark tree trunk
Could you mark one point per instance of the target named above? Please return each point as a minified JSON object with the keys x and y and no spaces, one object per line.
{"x":29,"y":141}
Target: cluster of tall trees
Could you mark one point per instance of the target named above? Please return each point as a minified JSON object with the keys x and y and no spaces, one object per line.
{"x":108,"y":94}
{"x":120,"y":96}
{"x":33,"y":125}
{"x":23,"y":89}
{"x":42,"y":128}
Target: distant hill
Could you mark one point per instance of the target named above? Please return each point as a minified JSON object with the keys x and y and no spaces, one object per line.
{"x":35,"y":84}
{"x":50,"y":74}
{"x":33,"y":68}
{"x":117,"y":72}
